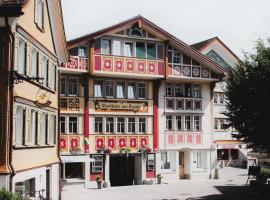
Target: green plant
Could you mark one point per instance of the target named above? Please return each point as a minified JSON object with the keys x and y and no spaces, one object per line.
{"x":265,"y":173}
{"x":6,"y":195}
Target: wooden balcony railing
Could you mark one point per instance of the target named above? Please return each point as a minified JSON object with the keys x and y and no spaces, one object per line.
{"x":71,"y":144}
{"x":76,"y":63}
{"x":184,"y":104}
{"x":71,"y":103}
{"x":179,"y":138}
{"x":128,"y":66}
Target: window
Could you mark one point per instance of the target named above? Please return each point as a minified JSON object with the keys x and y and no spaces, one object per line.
{"x":168,"y":160}
{"x":22,"y":57}
{"x":63,"y":87}
{"x":176,"y":57}
{"x":52,"y":130}
{"x":200,"y":159}
{"x":187,"y":123}
{"x":215,"y":97}
{"x":131,"y":90}
{"x":73,"y":86}
{"x":20,"y":120}
{"x":73,"y":125}
{"x":221,"y":98}
{"x":109,"y":88}
{"x":45,"y":68}
{"x":150,"y":162}
{"x":120,"y":90}
{"x":98,"y":125}
{"x":151,"y":51}
{"x":168,"y":122}
{"x":120,"y":125}
{"x":131,"y":125}
{"x":142,"y":90}
{"x":179,"y":90}
{"x":53,"y":77}
{"x":97,"y":165}
{"x":142,"y":125}
{"x":33,"y":126}
{"x":109,"y":124}
{"x":116,"y":47}
{"x":188,"y":89}
{"x":196,"y":91}
{"x":82,"y":51}
{"x":216,"y":124}
{"x":26,"y":187}
{"x":140,"y":50}
{"x":169,"y":89}
{"x":40,"y":13}
{"x":128,"y":49}
{"x":34,"y":62}
{"x":98,"y":91}
{"x":43,"y":128}
{"x":62,"y":125}
{"x":178,"y":122}
{"x":223,"y":124}
{"x":196,"y":123}
{"x":106,"y":46}
{"x":136,"y":32}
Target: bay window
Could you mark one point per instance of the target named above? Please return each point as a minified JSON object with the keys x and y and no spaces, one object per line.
{"x":131,"y":90}
{"x":73,"y":125}
{"x":98,"y":91}
{"x":120,"y":90}
{"x":109,"y":125}
{"x":98,"y":125}
{"x":120,"y":125}
{"x":131,"y":125}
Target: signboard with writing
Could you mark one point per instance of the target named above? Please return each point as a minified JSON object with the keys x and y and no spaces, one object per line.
{"x":138,"y":106}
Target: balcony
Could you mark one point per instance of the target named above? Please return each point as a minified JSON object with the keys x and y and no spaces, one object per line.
{"x":71,"y":144}
{"x":191,"y":71}
{"x":183,"y":104}
{"x":75,"y":64}
{"x":176,"y":139}
{"x":128,"y":66}
{"x":72,"y":104}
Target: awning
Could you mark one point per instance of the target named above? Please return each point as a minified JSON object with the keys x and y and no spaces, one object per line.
{"x":76,"y":159}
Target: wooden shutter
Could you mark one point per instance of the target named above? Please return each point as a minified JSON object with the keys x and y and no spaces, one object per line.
{"x":36,"y":3}
{"x":16,"y":53}
{"x":24,"y":126}
{"x":28,"y":59}
{"x":47,"y":129}
{"x":36,"y":121}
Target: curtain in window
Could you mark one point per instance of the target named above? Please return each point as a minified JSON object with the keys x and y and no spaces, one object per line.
{"x":116,"y":47}
{"x":120,"y":90}
{"x":21,"y":57}
{"x":131,"y":91}
{"x":128,"y":49}
{"x":98,"y":89}
{"x":19,"y":125}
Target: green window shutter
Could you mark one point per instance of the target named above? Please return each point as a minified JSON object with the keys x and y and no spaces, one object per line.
{"x":140,"y":50}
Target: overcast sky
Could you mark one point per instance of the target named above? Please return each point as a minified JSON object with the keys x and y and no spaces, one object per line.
{"x":238,"y":23}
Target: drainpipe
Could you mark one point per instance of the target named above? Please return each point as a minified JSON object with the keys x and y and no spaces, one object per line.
{"x":58,"y":133}
{"x":10,"y":68}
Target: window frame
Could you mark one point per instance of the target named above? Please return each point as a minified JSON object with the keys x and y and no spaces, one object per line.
{"x":98,"y":124}
{"x":110,"y":46}
{"x":140,"y":124}
{"x":76,"y":123}
{"x":97,"y":159}
{"x":108,"y":125}
{"x":77,"y":88}
{"x":121,"y":125}
{"x":131,"y":125}
{"x":42,"y":25}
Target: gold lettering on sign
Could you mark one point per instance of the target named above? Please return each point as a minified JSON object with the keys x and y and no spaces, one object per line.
{"x":125,"y":106}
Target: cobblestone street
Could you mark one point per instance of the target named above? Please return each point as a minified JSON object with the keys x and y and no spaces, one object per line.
{"x":229,"y":186}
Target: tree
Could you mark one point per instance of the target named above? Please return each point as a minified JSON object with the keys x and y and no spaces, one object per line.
{"x":6,"y":195}
{"x":248,"y":94}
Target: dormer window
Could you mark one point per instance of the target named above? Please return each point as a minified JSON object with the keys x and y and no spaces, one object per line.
{"x":39,"y":14}
{"x":136,"y":32}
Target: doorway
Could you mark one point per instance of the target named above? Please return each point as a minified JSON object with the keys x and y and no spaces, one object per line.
{"x":122,"y":170}
{"x":181,"y":165}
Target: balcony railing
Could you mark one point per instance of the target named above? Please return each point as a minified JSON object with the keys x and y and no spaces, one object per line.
{"x":128,"y":66}
{"x":183,"y":104}
{"x":71,"y":144}
{"x":76,"y":64}
{"x":179,"y":138}
{"x":71,"y":104}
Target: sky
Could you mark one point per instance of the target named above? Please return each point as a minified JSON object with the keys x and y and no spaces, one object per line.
{"x":238,"y":23}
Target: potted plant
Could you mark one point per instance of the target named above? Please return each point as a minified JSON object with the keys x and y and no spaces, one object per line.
{"x":99,"y":181}
{"x":263,"y":175}
{"x":159,"y":177}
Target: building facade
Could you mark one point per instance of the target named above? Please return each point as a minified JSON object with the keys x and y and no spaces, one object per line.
{"x":132,"y":79}
{"x":228,"y":150}
{"x":32,"y":46}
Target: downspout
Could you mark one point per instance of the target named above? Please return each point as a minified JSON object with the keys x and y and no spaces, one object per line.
{"x":58,"y":132}
{"x":10,"y":69}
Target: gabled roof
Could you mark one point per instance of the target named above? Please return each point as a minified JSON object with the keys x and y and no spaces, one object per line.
{"x":172,"y":39}
{"x":200,"y":46}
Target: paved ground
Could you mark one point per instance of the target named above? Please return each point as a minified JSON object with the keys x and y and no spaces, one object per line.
{"x":230,"y":186}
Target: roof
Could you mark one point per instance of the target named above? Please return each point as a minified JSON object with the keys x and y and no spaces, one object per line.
{"x":187,"y":49}
{"x":200,"y":46}
{"x":12,"y":8}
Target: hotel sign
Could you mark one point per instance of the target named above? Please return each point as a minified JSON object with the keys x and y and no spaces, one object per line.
{"x":121,"y":106}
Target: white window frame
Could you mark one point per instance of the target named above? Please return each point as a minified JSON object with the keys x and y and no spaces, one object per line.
{"x":19,"y":131}
{"x":35,"y":62}
{"x":33,"y":127}
{"x":109,"y":46}
{"x":145,"y":89}
{"x":77,"y":88}
{"x":185,"y":122}
{"x":98,"y":124}
{"x":107,"y":124}
{"x":97,"y":159}
{"x":167,"y":122}
{"x":65,"y":86}
{"x":21,"y":54}
{"x":141,"y":124}
{"x":71,"y":125}
{"x":120,"y":125}
{"x":101,"y":87}
{"x":131,"y":125}
{"x":40,"y":17}
{"x":65,"y":124}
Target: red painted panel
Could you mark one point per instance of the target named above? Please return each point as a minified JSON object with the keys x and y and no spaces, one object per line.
{"x":74,"y":142}
{"x":98,"y":63}
{"x":189,"y":139}
{"x":180,"y":139}
{"x":143,"y":141}
{"x":170,"y":138}
{"x":130,"y":65}
{"x":141,"y":65}
{"x":111,"y":142}
{"x":122,"y":142}
{"x":100,"y":142}
{"x":160,"y":68}
{"x":150,"y":174}
{"x":152,"y":68}
{"x":198,"y":139}
{"x":93,"y":176}
{"x":63,"y":143}
{"x":107,"y":64}
{"x":133,"y":142}
{"x":118,"y":65}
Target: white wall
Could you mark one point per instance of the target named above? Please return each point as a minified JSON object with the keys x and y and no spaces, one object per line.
{"x":4,"y":181}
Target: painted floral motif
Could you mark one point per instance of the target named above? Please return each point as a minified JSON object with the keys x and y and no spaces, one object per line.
{"x":177,"y":70}
{"x":195,"y":71}
{"x":122,"y":142}
{"x":133,"y":142}
{"x":205,"y":73}
{"x":143,"y":142}
{"x":74,"y":142}
{"x":186,"y":71}
{"x":151,"y":68}
{"x":130,"y":66}
{"x":118,"y":65}
{"x":141,"y":67}
{"x":111,"y":142}
{"x":99,"y":142}
{"x":63,"y":143}
{"x":107,"y":64}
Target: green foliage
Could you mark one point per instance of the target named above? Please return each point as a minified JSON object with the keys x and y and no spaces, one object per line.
{"x":6,"y":195}
{"x":248,"y":93}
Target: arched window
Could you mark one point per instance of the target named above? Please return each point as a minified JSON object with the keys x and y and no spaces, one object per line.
{"x":136,"y":32}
